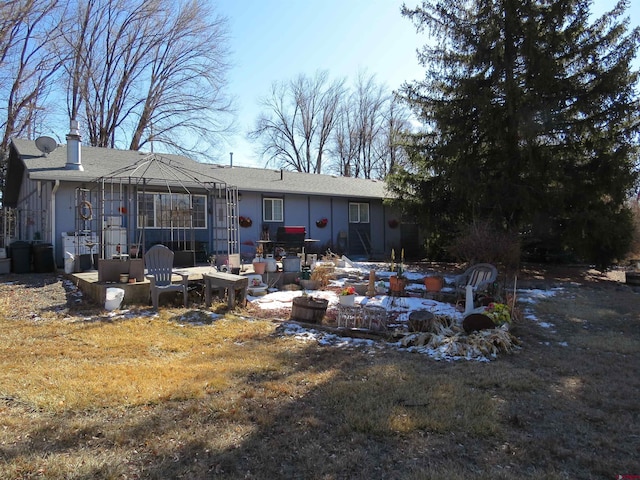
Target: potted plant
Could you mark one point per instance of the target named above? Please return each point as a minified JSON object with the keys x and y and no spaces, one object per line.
{"x":397,"y":283}
{"x":245,"y":222}
{"x":259,"y":265}
{"x":499,"y":313}
{"x":347,"y":296}
{"x":321,"y":223}
{"x":397,"y":280}
{"x":433,"y":283}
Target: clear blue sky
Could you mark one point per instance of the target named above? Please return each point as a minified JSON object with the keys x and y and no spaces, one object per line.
{"x":276,"y":40}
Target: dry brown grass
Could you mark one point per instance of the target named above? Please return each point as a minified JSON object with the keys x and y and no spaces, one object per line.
{"x":166,"y":397}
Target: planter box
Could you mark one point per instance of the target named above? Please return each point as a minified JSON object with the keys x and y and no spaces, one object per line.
{"x":309,"y":309}
{"x":110,"y":270}
{"x":360,"y":288}
{"x":184,"y":258}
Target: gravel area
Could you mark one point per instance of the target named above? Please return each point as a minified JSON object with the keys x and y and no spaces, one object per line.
{"x":30,"y":296}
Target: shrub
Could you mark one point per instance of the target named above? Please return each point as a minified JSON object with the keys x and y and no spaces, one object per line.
{"x":634,"y":249}
{"x":482,"y":242}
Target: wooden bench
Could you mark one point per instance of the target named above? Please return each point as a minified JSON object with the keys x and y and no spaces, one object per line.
{"x":226,"y":281}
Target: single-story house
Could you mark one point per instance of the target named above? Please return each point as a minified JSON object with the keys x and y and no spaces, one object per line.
{"x":83,"y":200}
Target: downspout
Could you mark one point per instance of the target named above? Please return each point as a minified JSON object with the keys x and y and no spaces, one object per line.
{"x":308,"y":216}
{"x":384,"y":227}
{"x":56,"y":185}
{"x":332,"y":222}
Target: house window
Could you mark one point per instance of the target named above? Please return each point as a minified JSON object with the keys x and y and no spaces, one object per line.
{"x":177,"y":210}
{"x":272,"y":210}
{"x":358,"y":212}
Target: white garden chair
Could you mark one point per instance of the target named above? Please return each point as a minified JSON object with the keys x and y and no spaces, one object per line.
{"x":159,"y":263}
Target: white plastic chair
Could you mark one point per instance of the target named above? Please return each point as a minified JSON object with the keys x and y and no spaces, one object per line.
{"x":480,"y":276}
{"x":159,"y":263}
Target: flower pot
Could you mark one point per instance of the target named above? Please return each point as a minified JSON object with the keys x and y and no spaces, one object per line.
{"x":396,"y":284}
{"x":347,"y":300}
{"x":309,"y":309}
{"x":259,"y":267}
{"x":433,"y":284}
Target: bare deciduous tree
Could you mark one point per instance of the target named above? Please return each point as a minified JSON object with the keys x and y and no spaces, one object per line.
{"x":367,"y":135}
{"x":298,"y":122}
{"x":190,"y":60}
{"x":391,"y":141}
{"x":155,"y":68}
{"x":27,"y":65}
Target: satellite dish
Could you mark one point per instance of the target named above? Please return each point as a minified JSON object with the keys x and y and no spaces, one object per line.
{"x":46,"y":144}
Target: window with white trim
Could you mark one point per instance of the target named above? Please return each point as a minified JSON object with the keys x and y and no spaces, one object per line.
{"x":358,"y":212}
{"x":272,"y":210}
{"x":177,"y":210}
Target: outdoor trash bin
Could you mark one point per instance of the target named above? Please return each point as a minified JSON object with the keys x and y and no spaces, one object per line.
{"x":20,"y":257}
{"x":43,"y":258}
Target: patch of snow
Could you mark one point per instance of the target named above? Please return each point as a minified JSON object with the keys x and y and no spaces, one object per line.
{"x":400,"y":306}
{"x":546,"y":324}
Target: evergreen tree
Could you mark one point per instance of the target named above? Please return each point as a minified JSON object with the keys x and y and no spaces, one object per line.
{"x":531,"y":122}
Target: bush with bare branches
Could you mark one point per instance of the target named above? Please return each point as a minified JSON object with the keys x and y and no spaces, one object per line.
{"x":482,"y":242}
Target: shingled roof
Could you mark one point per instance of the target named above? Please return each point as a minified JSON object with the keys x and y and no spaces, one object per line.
{"x":106,"y":163}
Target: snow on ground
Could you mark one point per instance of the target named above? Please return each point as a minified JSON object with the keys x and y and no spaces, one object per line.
{"x":526,"y":298}
{"x":402,"y":307}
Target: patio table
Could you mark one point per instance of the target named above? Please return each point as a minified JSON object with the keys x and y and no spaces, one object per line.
{"x":226,"y":281}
